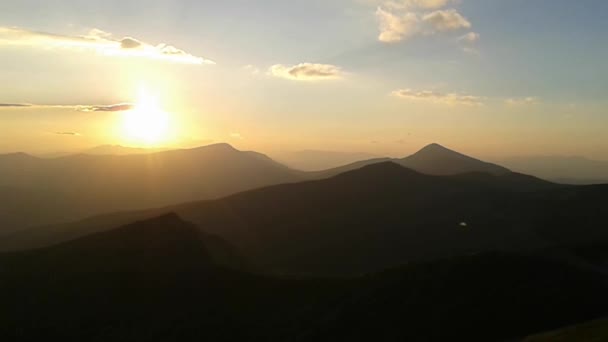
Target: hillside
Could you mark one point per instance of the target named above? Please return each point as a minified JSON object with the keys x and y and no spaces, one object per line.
{"x":73,"y":187}
{"x":157,"y":280}
{"x":379,"y":216}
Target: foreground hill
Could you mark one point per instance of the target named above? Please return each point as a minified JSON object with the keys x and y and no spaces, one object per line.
{"x":158,"y":280}
{"x":379,"y":216}
{"x":68,"y":188}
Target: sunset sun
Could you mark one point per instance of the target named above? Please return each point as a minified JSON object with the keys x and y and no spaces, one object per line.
{"x":147,"y":122}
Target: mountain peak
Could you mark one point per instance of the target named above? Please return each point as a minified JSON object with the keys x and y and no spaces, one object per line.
{"x":435,"y":159}
{"x":435,"y":148}
{"x":217,"y":147}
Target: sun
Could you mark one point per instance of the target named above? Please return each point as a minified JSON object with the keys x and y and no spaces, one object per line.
{"x":146,"y":123}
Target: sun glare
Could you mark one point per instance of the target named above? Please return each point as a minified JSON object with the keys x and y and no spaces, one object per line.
{"x":146,"y":123}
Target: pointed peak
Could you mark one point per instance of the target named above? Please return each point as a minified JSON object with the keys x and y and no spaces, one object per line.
{"x":223,"y":147}
{"x":220,"y":146}
{"x":434,"y":147}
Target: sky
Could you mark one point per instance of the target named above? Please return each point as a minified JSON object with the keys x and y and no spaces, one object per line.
{"x":492,"y":78}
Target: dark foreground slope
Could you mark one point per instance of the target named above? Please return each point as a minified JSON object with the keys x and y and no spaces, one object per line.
{"x":157,"y":280}
{"x":379,"y":216}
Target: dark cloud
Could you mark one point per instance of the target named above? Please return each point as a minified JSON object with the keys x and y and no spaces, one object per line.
{"x":17,"y":105}
{"x":130,"y":43}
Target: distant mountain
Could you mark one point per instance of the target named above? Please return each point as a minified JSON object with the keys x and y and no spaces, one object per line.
{"x":157,"y":280}
{"x":316,"y":160}
{"x":568,"y":170}
{"x":379,"y":216}
{"x":77,"y":186}
{"x":433,"y":159}
{"x":120,"y":150}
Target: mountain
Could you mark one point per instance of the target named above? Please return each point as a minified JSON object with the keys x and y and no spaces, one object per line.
{"x":157,"y":280}
{"x":165,"y":243}
{"x":567,"y":170}
{"x":120,"y":150}
{"x":433,"y":159}
{"x":78,"y":186}
{"x":318,"y":160}
{"x":379,"y":216}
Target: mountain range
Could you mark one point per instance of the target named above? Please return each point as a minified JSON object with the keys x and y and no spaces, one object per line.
{"x":379,"y":216}
{"x":432,"y":247}
{"x":77,"y":186}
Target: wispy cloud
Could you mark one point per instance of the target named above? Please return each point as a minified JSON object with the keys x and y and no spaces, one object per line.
{"x":446,"y":20}
{"x":438,"y":97}
{"x":120,"y":107}
{"x":306,"y":72}
{"x":68,"y":133}
{"x":252,"y":69}
{"x":14,"y":105}
{"x":469,"y":38}
{"x":412,"y":4}
{"x":521,"y":101}
{"x":98,"y":41}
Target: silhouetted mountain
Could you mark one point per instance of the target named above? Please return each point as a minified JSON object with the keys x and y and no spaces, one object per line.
{"x":567,"y":170}
{"x":82,"y":185}
{"x":156,"y":280}
{"x":433,"y":159}
{"x":316,"y":160}
{"x":379,"y":216}
{"x":161,"y":244}
{"x":120,"y":150}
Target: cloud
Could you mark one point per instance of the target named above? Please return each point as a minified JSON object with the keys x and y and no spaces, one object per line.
{"x":412,"y":4}
{"x":531,"y":100}
{"x":68,"y":133}
{"x":306,"y":72}
{"x":130,"y":43}
{"x":14,"y":105}
{"x":120,"y":107}
{"x":252,"y":69}
{"x":394,"y":28}
{"x":446,"y":20}
{"x":236,"y":136}
{"x":470,"y":38}
{"x":401,"y":20}
{"x":98,"y":41}
{"x":437,"y":97}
